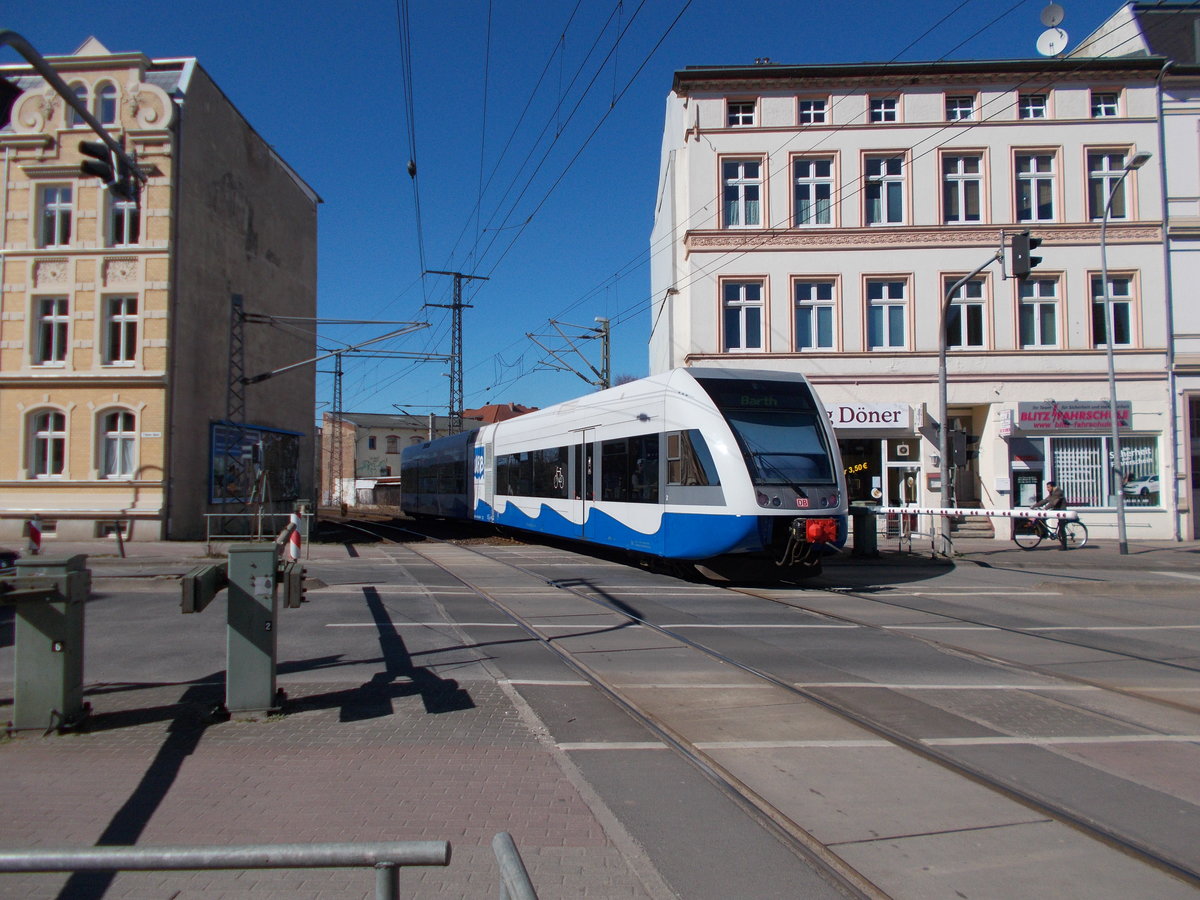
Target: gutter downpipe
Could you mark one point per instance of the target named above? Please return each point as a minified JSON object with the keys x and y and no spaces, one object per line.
{"x":1172,"y":413}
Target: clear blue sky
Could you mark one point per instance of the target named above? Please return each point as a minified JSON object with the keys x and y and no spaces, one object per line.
{"x":562,"y":230}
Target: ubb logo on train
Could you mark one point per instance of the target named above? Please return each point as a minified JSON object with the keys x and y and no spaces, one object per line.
{"x":480,"y":466}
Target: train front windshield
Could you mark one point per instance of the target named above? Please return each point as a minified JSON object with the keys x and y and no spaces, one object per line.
{"x":779,"y":429}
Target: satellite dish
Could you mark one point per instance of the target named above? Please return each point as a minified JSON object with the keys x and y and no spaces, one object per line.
{"x":1052,"y":15}
{"x":1052,"y":42}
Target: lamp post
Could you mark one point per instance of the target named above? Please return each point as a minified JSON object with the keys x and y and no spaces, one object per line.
{"x":1116,"y":470}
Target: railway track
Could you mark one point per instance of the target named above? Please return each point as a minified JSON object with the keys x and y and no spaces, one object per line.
{"x":767,"y":812}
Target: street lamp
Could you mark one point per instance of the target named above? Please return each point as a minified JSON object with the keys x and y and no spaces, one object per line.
{"x":1116,"y":469}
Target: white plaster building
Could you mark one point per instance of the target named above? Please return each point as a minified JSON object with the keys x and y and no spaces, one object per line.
{"x":1169,"y":31}
{"x":813,"y":217}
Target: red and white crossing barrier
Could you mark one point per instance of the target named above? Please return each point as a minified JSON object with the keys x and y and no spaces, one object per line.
{"x":294,"y":538}
{"x":35,"y":536}
{"x":1069,"y":514}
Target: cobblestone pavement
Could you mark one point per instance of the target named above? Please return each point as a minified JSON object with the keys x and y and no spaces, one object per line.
{"x":343,"y":764}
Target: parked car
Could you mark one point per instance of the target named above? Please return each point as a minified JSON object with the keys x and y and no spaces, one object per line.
{"x":1142,"y":487}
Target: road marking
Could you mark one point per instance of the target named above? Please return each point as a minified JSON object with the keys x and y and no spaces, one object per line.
{"x":1178,"y":575}
{"x":1006,"y":740}
{"x":681,"y":625}
{"x":947,"y":687}
{"x":1108,"y":627}
{"x":615,"y":745}
{"x":536,"y":682}
{"x":792,"y":745}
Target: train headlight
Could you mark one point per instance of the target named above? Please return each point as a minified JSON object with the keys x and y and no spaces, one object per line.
{"x":761,"y":498}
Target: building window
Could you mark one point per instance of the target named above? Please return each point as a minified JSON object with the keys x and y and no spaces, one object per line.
{"x":1120,"y":296}
{"x":48,"y":453}
{"x":960,"y":108}
{"x":1105,"y":169}
{"x":1104,"y":104}
{"x":885,"y":190}
{"x":1031,"y":106}
{"x":743,"y":315}
{"x":74,"y":119}
{"x":119,"y":443}
{"x":886,"y":328}
{"x":124,"y":222}
{"x":885,"y":109}
{"x":965,"y":317}
{"x":371,"y":442}
{"x":120,"y":330}
{"x":743,"y":187}
{"x":392,"y":444}
{"x":1038,"y":313}
{"x":814,"y":315}
{"x":106,"y":104}
{"x":962,"y":188}
{"x":813,"y":185}
{"x":812,"y":112}
{"x":51,"y":326}
{"x":1035,"y":187}
{"x":739,"y":113}
{"x":1080,"y":465}
{"x":56,"y":217}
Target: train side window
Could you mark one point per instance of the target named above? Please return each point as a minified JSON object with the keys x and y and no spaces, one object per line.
{"x":688,"y":459}
{"x":614,"y":470}
{"x":643,"y":475}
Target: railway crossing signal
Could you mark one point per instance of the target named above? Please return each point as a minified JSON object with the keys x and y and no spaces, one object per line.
{"x":1022,"y":247}
{"x":106,"y":165}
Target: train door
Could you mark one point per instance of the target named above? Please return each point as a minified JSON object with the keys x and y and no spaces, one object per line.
{"x":583,"y":481}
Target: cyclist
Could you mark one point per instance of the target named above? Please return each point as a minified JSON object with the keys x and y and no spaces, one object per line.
{"x":1054,"y":499}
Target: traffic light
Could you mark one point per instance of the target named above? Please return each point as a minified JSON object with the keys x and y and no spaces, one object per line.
{"x":1022,"y":247}
{"x":109,"y":168}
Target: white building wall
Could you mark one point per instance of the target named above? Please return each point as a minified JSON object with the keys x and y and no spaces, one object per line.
{"x":986,"y":384}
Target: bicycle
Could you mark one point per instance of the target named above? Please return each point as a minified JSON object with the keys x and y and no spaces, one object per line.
{"x":1038,"y":530}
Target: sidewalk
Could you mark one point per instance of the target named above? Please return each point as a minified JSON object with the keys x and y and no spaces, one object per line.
{"x":1098,"y":554}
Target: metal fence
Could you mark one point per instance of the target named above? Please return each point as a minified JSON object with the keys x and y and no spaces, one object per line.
{"x":385,"y":858}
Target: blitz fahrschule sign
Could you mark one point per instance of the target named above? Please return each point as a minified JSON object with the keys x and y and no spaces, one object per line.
{"x":1071,"y":415}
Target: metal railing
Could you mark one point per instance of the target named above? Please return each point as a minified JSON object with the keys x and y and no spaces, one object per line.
{"x":260,"y":526}
{"x":385,"y":858}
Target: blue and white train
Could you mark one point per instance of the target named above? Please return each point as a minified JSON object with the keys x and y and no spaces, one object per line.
{"x":693,"y":464}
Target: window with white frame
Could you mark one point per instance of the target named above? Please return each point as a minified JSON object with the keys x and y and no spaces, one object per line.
{"x":55,"y":225}
{"x":812,"y":112}
{"x":124,"y":221}
{"x":51,"y":324}
{"x":1080,"y":466}
{"x":1120,"y":298}
{"x":885,"y":109}
{"x":74,"y":119}
{"x":106,"y":103}
{"x":885,"y":190}
{"x":960,"y":108}
{"x":739,"y":113}
{"x":1038,"y":313}
{"x":814,"y":305}
{"x":742,"y":308}
{"x":966,"y":316}
{"x":1105,"y":168}
{"x":1031,"y":106}
{"x":887,"y":301}
{"x":1104,"y":104}
{"x":48,"y":444}
{"x":813,"y":190}
{"x":118,"y":444}
{"x":392,"y":444}
{"x":1035,"y":187}
{"x":743,"y":189}
{"x":120,"y":330}
{"x":962,"y":187}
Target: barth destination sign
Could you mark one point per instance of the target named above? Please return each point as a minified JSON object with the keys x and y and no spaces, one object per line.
{"x":1076,"y":415}
{"x":870,"y":415}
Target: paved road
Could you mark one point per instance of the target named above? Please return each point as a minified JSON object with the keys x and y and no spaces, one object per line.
{"x":404,"y":723}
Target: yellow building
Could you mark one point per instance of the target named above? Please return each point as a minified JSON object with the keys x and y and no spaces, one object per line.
{"x":120,"y":347}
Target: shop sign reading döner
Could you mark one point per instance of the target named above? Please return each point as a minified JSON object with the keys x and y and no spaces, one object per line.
{"x":870,"y":415}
